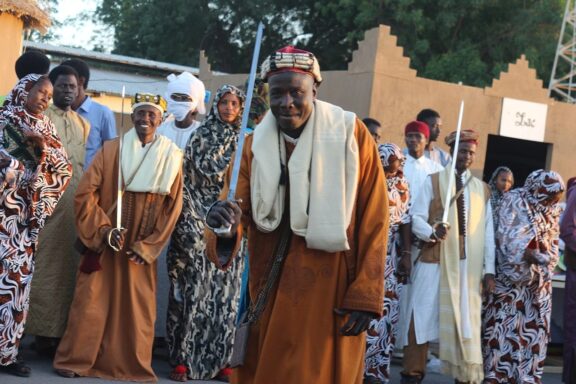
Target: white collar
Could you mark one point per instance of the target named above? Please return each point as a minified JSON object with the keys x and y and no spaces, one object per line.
{"x":291,"y":140}
{"x":421,"y":159}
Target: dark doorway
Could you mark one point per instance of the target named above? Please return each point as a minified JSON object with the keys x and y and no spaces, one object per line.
{"x":521,"y":156}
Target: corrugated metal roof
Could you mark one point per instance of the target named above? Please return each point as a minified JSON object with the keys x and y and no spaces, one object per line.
{"x":111,"y":82}
{"x":109,"y":58}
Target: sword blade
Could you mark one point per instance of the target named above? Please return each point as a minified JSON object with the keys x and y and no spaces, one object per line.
{"x":245,"y":115}
{"x":119,"y":196}
{"x":451,"y":176}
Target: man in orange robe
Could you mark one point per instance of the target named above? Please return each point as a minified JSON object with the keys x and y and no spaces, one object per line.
{"x":315,"y":164}
{"x":110,"y":328}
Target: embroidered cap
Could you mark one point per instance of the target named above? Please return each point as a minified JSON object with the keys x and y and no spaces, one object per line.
{"x":466,"y":136}
{"x":155,"y":101}
{"x":291,"y":59}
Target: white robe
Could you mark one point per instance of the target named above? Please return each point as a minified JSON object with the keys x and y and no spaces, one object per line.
{"x":421,"y":298}
{"x":416,"y":171}
{"x":179,"y":136}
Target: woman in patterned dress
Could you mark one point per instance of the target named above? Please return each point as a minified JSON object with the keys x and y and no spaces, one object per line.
{"x":500,"y":183}
{"x":34,"y":172}
{"x":381,"y":335}
{"x":203,"y":301}
{"x":517,"y":323}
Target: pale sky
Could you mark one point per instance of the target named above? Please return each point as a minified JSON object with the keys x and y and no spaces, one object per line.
{"x":81,"y":34}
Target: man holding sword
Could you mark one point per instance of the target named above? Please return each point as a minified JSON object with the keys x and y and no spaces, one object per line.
{"x":311,"y":194}
{"x":110,"y":328}
{"x":456,"y":258}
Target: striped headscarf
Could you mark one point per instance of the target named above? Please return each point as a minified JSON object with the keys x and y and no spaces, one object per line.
{"x":14,"y":110}
{"x":389,"y":152}
{"x":19,"y":94}
{"x":18,"y":122}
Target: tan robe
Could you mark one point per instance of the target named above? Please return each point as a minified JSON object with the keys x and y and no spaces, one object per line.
{"x":297,"y":338}
{"x":111,"y":325}
{"x":56,"y":260}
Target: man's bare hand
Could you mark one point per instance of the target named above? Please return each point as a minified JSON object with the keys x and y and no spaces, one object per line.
{"x":115,"y":238}
{"x":34,"y":139}
{"x":488,"y":284}
{"x":440,"y":231}
{"x":358,"y":321}
{"x":223,"y":214}
{"x":135,"y":258}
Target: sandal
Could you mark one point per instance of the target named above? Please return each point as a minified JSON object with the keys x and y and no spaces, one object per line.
{"x":372,"y":380}
{"x":223,"y":375}
{"x":18,"y":368}
{"x":66,"y":373}
{"x":179,"y":373}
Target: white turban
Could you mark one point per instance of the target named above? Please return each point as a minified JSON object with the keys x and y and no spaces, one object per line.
{"x":186,"y":83}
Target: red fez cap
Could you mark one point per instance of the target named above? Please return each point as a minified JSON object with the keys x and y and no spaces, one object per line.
{"x":292,"y":49}
{"x":418,"y":126}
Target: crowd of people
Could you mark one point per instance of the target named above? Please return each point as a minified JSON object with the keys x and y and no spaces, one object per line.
{"x":337,"y":253}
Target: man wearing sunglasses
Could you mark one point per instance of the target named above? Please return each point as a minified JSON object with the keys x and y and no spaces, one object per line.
{"x":185,"y":97}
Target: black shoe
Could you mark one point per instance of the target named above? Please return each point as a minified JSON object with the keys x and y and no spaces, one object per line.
{"x":372,"y":380}
{"x":406,"y":379}
{"x":18,"y":368}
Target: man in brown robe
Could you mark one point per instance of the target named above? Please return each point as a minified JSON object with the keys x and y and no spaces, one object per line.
{"x":110,"y":329}
{"x":320,"y":162}
{"x":56,"y":259}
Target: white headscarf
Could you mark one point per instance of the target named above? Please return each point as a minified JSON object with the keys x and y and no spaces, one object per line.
{"x":187,"y":84}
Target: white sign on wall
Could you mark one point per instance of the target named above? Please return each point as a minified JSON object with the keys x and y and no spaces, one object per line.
{"x":523,"y":119}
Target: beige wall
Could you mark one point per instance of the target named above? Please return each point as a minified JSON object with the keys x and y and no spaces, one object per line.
{"x":11,"y":46}
{"x":397,"y":102}
{"x":560,"y":131}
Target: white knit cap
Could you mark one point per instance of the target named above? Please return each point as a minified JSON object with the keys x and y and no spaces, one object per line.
{"x":187,"y":84}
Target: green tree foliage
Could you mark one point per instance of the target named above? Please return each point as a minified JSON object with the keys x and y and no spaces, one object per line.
{"x":160,"y":30}
{"x":451,"y":40}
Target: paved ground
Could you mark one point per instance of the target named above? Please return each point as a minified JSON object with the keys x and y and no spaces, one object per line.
{"x":42,"y":373}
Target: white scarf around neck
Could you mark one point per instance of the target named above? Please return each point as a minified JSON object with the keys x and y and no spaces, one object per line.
{"x":160,"y":163}
{"x":327,"y":154}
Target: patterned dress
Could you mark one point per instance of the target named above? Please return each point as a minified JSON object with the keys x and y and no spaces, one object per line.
{"x":495,"y":201}
{"x":517,"y":320}
{"x":31,"y":186}
{"x":203,"y":300}
{"x":381,"y":335}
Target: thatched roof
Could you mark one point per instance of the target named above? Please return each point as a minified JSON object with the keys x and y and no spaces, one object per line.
{"x":29,"y":11}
